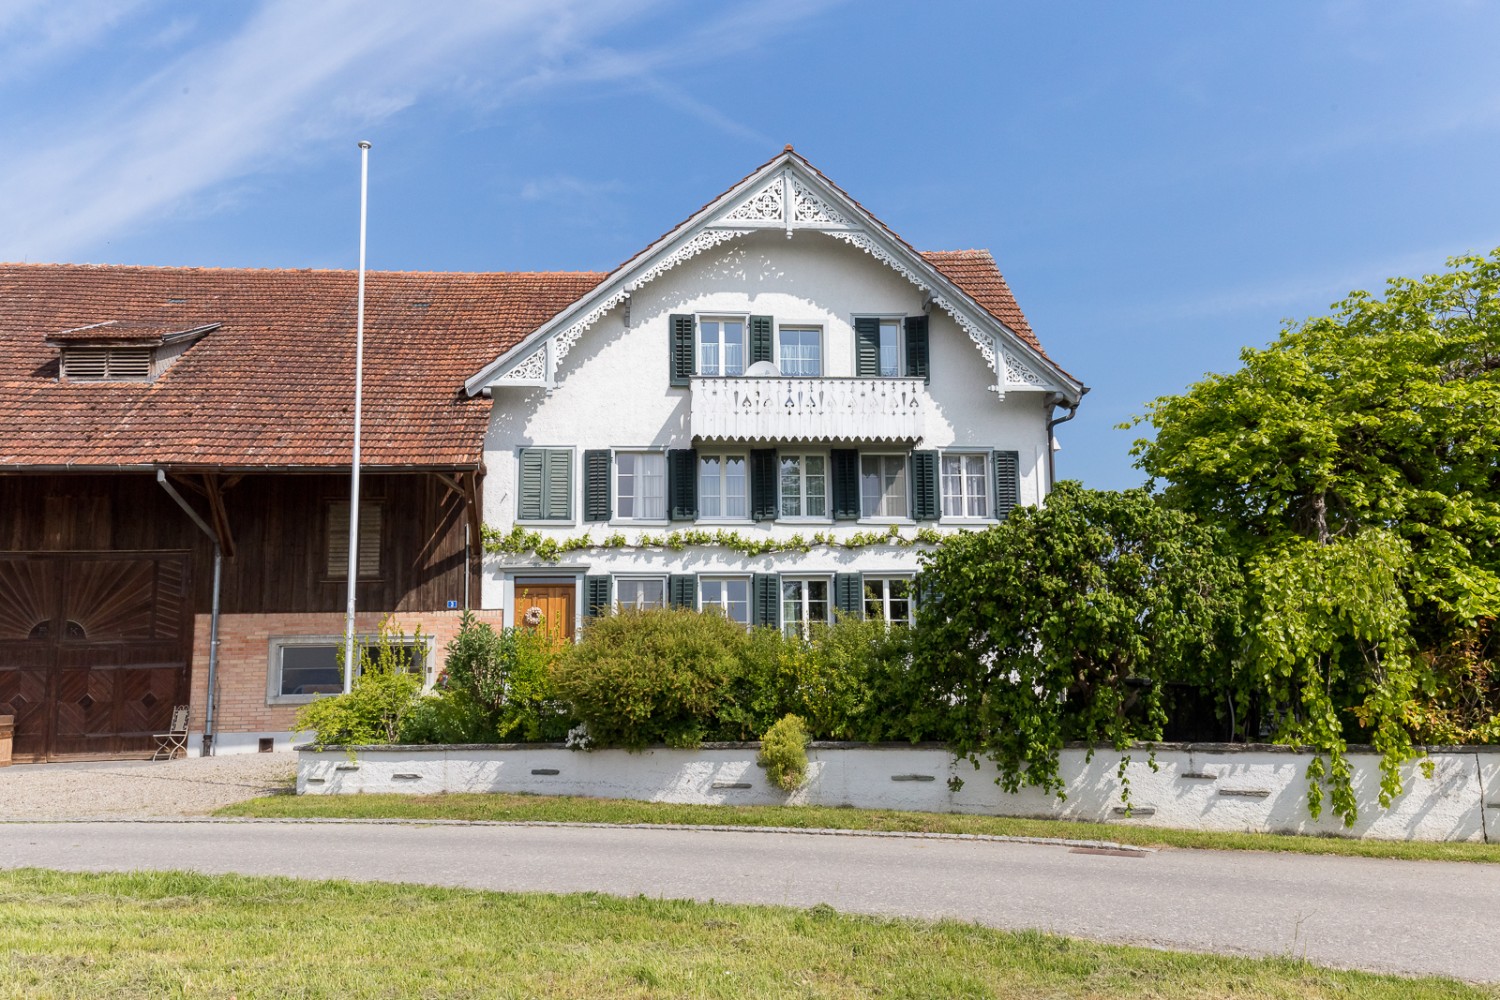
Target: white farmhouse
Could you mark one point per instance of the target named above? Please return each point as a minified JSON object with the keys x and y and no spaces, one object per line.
{"x":765,"y":411}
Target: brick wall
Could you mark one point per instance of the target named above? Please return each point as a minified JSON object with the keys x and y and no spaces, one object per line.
{"x":244,"y":659}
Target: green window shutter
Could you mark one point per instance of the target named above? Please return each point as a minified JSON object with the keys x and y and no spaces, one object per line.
{"x":765,"y":600}
{"x":1007,"y":482}
{"x":763,"y":484}
{"x":867,"y":347}
{"x":926,"y":504}
{"x":533,"y":485}
{"x":682,"y":484}
{"x":596,"y":484}
{"x":595,"y":596}
{"x":682,"y":590}
{"x":761,"y":332}
{"x":843,"y":469}
{"x":916,"y":349}
{"x":558,"y":491}
{"x":680,"y":351}
{"x":848,"y":594}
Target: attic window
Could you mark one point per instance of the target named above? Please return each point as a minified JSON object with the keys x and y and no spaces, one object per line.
{"x":95,"y":364}
{"x":421,"y":305}
{"x":177,"y":302}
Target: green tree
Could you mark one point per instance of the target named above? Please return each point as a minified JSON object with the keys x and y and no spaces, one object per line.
{"x":1065,"y":623}
{"x":1352,"y":466}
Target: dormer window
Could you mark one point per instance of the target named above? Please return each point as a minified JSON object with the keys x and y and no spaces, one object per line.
{"x":122,"y":351}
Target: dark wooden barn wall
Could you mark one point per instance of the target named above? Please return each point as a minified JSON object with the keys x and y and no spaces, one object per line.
{"x":279,"y":524}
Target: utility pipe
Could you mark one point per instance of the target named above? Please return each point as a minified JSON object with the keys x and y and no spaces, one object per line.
{"x":1054,"y":402}
{"x":213,"y":619}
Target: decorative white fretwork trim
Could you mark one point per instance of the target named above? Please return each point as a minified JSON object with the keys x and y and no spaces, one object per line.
{"x":766,"y":205}
{"x":706,"y":240}
{"x":877,"y":251}
{"x":1018,"y":372}
{"x":565,"y":340}
{"x":530,"y":371}
{"x":808,"y":208}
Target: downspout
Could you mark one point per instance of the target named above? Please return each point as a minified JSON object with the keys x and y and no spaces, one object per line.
{"x":213,"y":621}
{"x":1054,"y":401}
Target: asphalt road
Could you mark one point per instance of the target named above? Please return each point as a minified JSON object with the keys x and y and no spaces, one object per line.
{"x":1392,"y":916}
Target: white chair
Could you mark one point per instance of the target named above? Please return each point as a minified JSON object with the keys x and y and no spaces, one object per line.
{"x":168,"y":744}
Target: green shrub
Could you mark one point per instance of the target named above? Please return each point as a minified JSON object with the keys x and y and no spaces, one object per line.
{"x":385,"y":691}
{"x":643,"y":677}
{"x":507,"y":674}
{"x":449,"y":717}
{"x":783,"y":753}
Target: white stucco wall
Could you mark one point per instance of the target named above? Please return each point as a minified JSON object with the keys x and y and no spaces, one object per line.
{"x":1260,"y":789}
{"x":614,"y":392}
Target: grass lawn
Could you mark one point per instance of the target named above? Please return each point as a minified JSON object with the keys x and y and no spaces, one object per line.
{"x":568,"y":809}
{"x":183,"y":935}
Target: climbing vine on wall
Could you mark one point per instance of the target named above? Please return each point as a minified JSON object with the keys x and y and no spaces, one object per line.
{"x":522,"y":541}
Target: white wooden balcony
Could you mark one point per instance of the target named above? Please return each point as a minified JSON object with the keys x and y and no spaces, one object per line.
{"x":808,"y":409}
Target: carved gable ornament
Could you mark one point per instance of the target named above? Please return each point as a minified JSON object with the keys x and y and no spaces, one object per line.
{"x":781,"y":196}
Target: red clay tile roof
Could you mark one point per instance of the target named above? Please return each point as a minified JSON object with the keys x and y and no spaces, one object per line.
{"x":273,"y":386}
{"x":975,"y":272}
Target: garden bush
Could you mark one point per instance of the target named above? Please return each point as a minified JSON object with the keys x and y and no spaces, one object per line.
{"x":783,"y":753}
{"x":505,"y":677}
{"x":643,"y":677}
{"x":387,"y":687}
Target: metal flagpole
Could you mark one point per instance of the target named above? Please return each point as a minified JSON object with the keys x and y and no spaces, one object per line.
{"x":359,"y":380}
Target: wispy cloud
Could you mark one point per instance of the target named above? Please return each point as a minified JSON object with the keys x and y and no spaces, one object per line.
{"x":1303,"y":292}
{"x":289,"y":77}
{"x":563,"y":187}
{"x":35,"y":33}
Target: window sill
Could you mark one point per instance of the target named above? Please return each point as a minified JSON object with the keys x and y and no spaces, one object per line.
{"x":901,"y":522}
{"x":547,"y":524}
{"x":967,"y":520}
{"x":823,"y":521}
{"x":618,"y":523}
{"x":721,"y":522}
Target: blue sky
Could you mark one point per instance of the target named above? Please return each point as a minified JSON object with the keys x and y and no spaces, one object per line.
{"x":1162,"y":183}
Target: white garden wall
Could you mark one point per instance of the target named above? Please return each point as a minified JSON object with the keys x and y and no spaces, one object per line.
{"x":1215,"y":787}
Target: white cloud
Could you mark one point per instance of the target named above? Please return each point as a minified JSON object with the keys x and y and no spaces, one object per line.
{"x":291,"y":76}
{"x":564,"y":188}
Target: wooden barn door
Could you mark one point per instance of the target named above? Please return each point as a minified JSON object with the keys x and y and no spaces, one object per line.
{"x":94,"y":650}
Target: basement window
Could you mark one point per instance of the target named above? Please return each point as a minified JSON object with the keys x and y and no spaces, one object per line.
{"x":100,"y":364}
{"x":304,"y":667}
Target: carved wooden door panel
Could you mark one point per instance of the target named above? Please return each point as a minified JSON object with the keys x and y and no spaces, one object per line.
{"x":30,"y":588}
{"x":106,"y":655}
{"x":555,"y":604}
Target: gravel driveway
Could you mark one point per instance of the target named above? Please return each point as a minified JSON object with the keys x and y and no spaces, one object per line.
{"x":131,"y":788}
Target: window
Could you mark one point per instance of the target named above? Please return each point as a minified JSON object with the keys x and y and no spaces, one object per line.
{"x":721,"y":346}
{"x":889,"y":599}
{"x":730,"y":595}
{"x":803,"y":602}
{"x":804,"y":486}
{"x":303,"y":667}
{"x":723,"y":487}
{"x":546,"y":491}
{"x":640,"y":593}
{"x":882,"y":486}
{"x":641,"y":486}
{"x":371,"y":514}
{"x":801,"y":351}
{"x":965,"y":493}
{"x":890,"y":348}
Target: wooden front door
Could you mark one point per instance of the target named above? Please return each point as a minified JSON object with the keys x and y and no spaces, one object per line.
{"x":556,"y":602}
{"x":94,"y":650}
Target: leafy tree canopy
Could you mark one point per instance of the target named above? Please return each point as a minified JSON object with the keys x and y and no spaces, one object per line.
{"x":1065,"y":622}
{"x":1352,"y":465}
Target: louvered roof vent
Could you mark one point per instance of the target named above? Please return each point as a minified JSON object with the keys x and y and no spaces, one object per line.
{"x":122,"y":350}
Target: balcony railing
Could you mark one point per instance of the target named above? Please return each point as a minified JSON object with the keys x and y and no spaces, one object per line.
{"x":808,"y":409}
